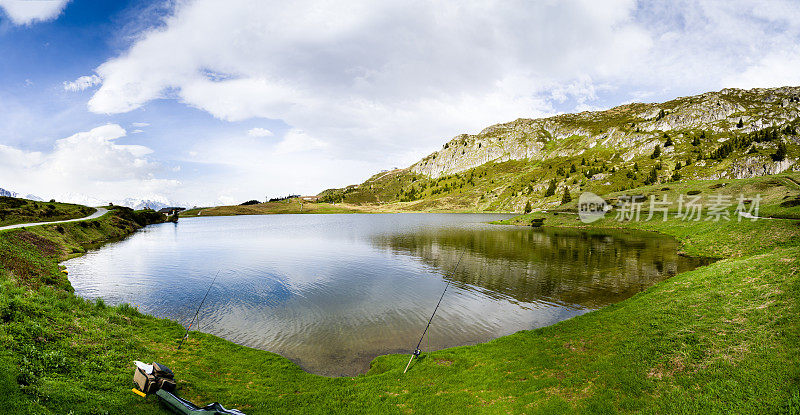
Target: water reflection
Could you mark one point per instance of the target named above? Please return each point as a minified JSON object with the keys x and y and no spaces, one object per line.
{"x":584,"y":268}
{"x":331,"y":292}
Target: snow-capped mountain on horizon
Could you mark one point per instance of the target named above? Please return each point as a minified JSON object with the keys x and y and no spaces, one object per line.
{"x":139,"y":204}
{"x":9,"y":193}
{"x":154,"y":202}
{"x":79,"y":199}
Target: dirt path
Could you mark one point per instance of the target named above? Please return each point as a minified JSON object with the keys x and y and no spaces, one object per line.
{"x":95,"y":215}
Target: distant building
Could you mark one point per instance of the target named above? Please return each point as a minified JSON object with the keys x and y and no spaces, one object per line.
{"x":169,"y":211}
{"x":309,"y":198}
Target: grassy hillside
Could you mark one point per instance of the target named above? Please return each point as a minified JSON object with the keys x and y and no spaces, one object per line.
{"x":779,"y":194}
{"x":719,"y":135}
{"x":292,"y":205}
{"x":14,"y":210}
{"x":724,"y":338}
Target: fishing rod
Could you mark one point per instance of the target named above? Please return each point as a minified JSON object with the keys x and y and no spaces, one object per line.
{"x":417,"y":351}
{"x":194,"y":319}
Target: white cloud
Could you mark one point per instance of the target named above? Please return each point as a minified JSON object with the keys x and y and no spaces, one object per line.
{"x":140,"y":124}
{"x":88,"y":165}
{"x":260,"y":132}
{"x":297,"y":141}
{"x":364,"y":85}
{"x":778,"y":68}
{"x":24,"y":12}
{"x":370,"y":78}
{"x":82,"y":83}
{"x":247,"y":168}
{"x":379,"y":78}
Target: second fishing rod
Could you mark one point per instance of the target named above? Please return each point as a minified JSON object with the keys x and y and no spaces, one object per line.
{"x":197,"y":313}
{"x":417,"y":351}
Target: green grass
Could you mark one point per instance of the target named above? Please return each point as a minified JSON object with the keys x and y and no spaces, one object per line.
{"x":14,"y":211}
{"x":724,"y":338}
{"x":780,"y":194}
{"x":289,"y":206}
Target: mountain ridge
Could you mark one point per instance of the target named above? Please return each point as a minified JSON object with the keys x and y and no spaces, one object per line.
{"x":731,"y":133}
{"x":683,"y":112}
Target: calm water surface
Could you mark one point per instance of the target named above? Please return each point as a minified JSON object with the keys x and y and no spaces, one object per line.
{"x":331,"y":292}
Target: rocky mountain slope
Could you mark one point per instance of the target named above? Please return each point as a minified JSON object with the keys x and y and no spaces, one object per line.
{"x":732,"y":133}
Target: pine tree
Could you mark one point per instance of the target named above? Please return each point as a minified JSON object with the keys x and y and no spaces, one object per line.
{"x":739,"y":124}
{"x":780,"y":153}
{"x":567,"y":198}
{"x":551,"y":189}
{"x":695,"y":141}
{"x":528,"y":207}
{"x":668,"y":142}
{"x":572,"y":169}
{"x":656,"y":152}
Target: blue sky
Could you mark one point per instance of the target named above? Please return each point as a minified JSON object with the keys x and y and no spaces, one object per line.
{"x":208,"y":102}
{"x":39,"y":57}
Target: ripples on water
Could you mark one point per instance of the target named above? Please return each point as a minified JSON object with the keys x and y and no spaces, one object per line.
{"x":331,"y":292}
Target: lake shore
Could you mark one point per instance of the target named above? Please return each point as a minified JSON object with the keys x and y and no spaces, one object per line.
{"x":332,"y":292}
{"x":297,"y":206}
{"x":723,"y":337}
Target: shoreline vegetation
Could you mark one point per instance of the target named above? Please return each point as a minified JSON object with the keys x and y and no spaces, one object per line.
{"x":721,"y":338}
{"x":293,"y":206}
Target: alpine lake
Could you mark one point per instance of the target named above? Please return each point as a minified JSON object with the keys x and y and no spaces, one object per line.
{"x":331,"y":292}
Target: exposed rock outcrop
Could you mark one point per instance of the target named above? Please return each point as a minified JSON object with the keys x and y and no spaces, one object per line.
{"x":630,"y":130}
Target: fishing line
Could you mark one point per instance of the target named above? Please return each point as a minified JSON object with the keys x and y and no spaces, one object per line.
{"x":417,"y":351}
{"x":194,"y":319}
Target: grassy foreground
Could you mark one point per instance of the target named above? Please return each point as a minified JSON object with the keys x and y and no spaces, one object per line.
{"x":724,"y":338}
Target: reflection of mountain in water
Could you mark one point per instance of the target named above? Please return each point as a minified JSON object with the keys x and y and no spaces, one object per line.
{"x":576,"y":267}
{"x":327,"y":292}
